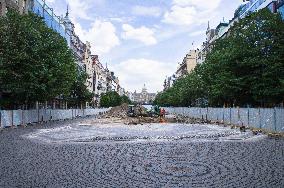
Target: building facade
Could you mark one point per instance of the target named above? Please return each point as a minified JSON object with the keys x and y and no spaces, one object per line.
{"x":144,"y":97}
{"x":88,"y":67}
{"x":169,"y":82}
{"x":280,"y":8}
{"x":188,"y":64}
{"x":22,"y":6}
{"x":211,"y":36}
{"x":78,"y":47}
{"x":100,"y":79}
{"x":222,"y":29}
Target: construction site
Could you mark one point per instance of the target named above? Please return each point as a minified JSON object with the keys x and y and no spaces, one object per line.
{"x":132,"y":146}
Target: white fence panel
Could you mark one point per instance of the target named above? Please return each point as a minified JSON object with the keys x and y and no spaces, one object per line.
{"x":267,"y":119}
{"x":23,"y":117}
{"x":30,"y":116}
{"x":17,"y":117}
{"x":271,"y":119}
{"x":254,"y":117}
{"x":6,"y":118}
{"x":280,"y":120}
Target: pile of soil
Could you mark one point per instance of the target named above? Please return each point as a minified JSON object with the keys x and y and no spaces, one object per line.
{"x":121,"y":111}
{"x":140,"y":110}
{"x":141,"y":120}
{"x":117,"y":112}
{"x":119,"y":115}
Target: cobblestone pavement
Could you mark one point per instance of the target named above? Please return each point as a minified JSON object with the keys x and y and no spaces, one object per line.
{"x":189,"y":162}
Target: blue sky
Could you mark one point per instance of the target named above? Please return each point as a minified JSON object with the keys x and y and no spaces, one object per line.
{"x":142,"y":41}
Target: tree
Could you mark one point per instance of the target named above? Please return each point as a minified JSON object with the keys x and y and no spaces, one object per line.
{"x":110,"y":99}
{"x":244,"y":68}
{"x":247,"y":67}
{"x":79,"y":92}
{"x":35,"y":61}
{"x":125,"y":99}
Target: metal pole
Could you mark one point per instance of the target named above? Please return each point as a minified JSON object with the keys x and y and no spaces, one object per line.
{"x":275,"y":124}
{"x":183,"y":115}
{"x":207,"y":114}
{"x":239,"y":115}
{"x":22,"y":122}
{"x":259,"y":117}
{"x":38,"y":115}
{"x":230,"y":115}
{"x":12,"y":112}
{"x":248,"y":116}
{"x":223,"y":114}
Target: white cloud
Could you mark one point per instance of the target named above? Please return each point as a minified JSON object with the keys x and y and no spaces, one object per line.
{"x":190,"y":12}
{"x":150,"y":72}
{"x":101,"y":35}
{"x":142,"y":34}
{"x":180,"y":15}
{"x":208,"y":5}
{"x":146,"y":11}
{"x":79,"y":8}
{"x":50,"y":1}
{"x":197,"y":33}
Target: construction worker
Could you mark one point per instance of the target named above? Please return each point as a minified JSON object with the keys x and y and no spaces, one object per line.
{"x":164,"y":113}
{"x":161,"y":113}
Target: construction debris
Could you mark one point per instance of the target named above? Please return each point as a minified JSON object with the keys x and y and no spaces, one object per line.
{"x":127,"y":114}
{"x":117,"y":112}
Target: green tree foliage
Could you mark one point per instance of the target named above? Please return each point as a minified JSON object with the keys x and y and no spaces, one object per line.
{"x":245,"y":68}
{"x":110,"y":99}
{"x":186,"y":91}
{"x":35,"y":61}
{"x":79,"y":91}
{"x":125,"y":99}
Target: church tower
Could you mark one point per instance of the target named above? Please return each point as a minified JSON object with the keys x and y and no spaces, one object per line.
{"x":209,"y":33}
{"x":69,"y":26}
{"x":144,"y":89}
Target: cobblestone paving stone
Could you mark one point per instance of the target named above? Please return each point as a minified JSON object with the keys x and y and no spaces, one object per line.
{"x":150,"y":163}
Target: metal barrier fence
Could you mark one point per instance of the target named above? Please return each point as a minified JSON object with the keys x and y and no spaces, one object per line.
{"x":40,"y":8}
{"x":10,"y":118}
{"x":269,"y":119}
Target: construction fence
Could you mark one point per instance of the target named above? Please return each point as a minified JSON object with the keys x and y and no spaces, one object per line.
{"x":10,"y":118}
{"x":269,"y":119}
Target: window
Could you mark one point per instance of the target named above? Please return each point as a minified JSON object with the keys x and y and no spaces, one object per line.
{"x":24,"y":5}
{"x":281,"y":11}
{"x":272,"y":7}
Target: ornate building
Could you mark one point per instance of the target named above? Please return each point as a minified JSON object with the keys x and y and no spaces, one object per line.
{"x":100,"y":80}
{"x":144,"y":97}
{"x":22,"y":6}
{"x":187,"y":65}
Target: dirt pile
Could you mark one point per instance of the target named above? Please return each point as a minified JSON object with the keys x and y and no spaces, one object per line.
{"x":117,"y":112}
{"x":140,"y":110}
{"x":141,"y":120}
{"x":119,"y":115}
{"x":121,"y":111}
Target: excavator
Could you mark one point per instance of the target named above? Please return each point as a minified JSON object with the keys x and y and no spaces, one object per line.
{"x":139,"y":110}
